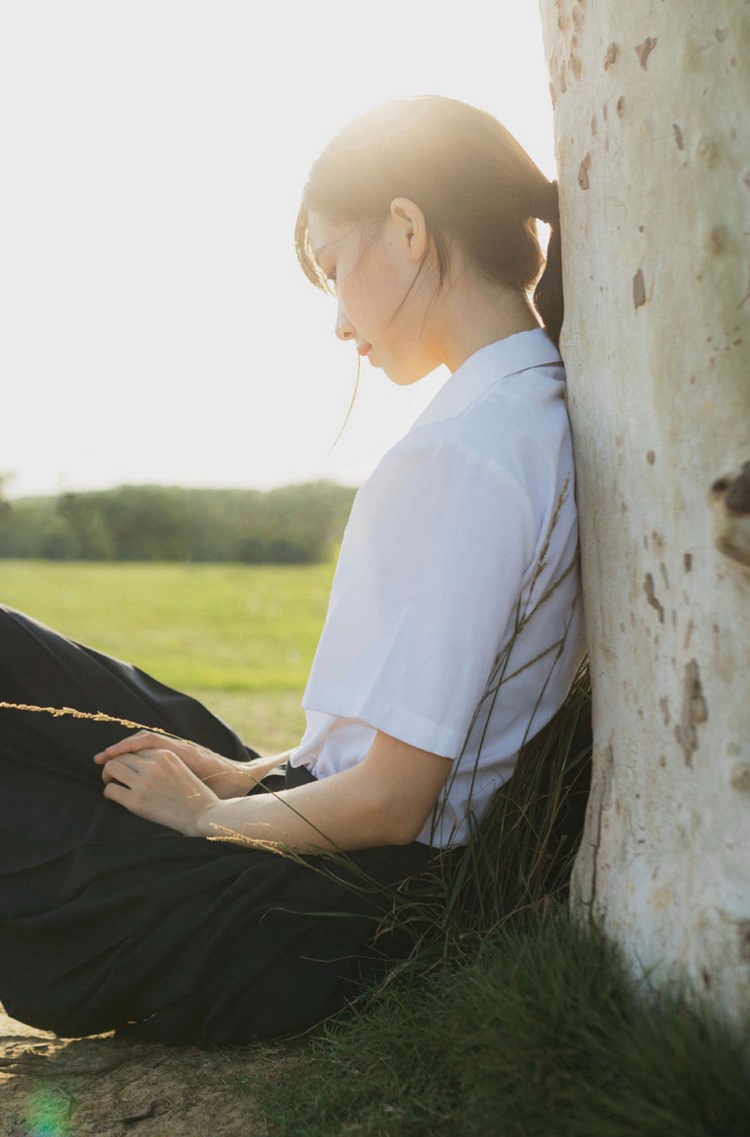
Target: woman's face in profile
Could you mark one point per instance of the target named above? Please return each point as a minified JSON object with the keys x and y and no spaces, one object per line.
{"x":371,"y":279}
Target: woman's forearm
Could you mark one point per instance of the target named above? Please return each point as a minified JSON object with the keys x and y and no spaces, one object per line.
{"x":341,"y":812}
{"x":385,"y":799}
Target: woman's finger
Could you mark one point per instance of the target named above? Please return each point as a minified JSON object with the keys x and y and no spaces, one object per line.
{"x":119,"y":770}
{"x":139,"y":741}
{"x":115,"y":771}
{"x":131,"y":742}
{"x":132,"y":765}
{"x":113,"y":791}
{"x":135,"y":761}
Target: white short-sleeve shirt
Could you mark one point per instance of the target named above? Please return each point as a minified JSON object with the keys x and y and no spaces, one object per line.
{"x":443,"y":626}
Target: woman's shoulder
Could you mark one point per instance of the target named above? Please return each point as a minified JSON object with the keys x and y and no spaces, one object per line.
{"x":517,"y":426}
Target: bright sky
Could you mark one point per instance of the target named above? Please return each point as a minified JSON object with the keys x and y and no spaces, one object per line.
{"x":155,"y":324}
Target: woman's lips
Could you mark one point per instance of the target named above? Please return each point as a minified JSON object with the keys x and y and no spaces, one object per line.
{"x":364,"y":350}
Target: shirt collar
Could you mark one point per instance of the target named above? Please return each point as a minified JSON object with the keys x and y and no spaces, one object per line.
{"x":488,"y":365}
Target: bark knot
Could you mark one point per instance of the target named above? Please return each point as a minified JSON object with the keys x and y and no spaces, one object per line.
{"x":643,"y":50}
{"x":740,"y":776}
{"x":648,"y":588}
{"x":694,"y":711}
{"x":639,"y":290}
{"x":729,"y":498}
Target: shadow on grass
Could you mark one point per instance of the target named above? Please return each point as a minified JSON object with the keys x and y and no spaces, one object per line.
{"x":534,"y":1031}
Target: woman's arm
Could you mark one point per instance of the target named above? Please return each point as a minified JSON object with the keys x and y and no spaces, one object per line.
{"x":384,"y":800}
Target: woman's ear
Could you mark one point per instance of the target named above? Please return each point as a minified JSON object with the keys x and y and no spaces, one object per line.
{"x":410,"y":227}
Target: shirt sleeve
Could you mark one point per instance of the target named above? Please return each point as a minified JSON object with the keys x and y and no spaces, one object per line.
{"x":424,"y":594}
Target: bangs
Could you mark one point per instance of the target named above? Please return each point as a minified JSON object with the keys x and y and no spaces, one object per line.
{"x":305,"y":255}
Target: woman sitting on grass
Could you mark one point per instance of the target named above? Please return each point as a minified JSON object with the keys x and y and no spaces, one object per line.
{"x":453,"y":632}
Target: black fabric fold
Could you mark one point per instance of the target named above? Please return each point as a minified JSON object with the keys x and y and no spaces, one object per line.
{"x":108,"y":921}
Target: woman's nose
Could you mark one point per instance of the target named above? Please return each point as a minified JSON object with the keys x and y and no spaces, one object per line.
{"x":345,"y":329}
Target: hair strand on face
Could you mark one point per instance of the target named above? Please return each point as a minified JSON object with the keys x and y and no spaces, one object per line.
{"x":351,"y":408}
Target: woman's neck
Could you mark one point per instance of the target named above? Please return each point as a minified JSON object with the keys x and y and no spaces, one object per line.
{"x":472,"y":312}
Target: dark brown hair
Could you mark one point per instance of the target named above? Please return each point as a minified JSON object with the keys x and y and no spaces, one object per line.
{"x":470,"y":177}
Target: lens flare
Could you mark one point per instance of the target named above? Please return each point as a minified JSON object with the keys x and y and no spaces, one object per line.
{"x":48,"y":1114}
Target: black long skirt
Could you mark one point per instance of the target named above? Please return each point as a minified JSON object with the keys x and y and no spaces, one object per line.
{"x":109,"y":921}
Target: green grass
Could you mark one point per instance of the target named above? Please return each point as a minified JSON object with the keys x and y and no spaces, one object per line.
{"x":533,"y":1031}
{"x":240,"y":638}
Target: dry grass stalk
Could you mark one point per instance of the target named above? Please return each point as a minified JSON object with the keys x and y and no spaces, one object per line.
{"x":93,"y":716}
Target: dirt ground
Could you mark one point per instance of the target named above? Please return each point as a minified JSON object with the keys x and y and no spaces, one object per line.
{"x":50,"y":1087}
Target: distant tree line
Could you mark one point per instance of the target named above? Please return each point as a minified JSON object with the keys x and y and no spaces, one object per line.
{"x":292,"y":525}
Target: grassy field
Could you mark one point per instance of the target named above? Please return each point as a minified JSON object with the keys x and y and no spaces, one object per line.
{"x":240,"y":638}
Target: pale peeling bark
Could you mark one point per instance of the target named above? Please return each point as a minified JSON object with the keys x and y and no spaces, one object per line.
{"x":652,"y":121}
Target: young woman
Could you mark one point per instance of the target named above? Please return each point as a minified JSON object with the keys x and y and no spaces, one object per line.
{"x":453,"y":632}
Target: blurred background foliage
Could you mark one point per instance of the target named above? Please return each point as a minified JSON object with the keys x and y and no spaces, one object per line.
{"x":292,"y":525}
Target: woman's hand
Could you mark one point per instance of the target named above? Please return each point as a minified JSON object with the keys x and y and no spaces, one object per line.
{"x":224,"y":776}
{"x":158,"y":785}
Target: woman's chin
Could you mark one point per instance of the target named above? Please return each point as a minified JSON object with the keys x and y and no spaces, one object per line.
{"x":397,"y":374}
{"x":404,"y":376}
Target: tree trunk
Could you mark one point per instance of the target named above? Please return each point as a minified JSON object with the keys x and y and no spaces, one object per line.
{"x":652,"y":125}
